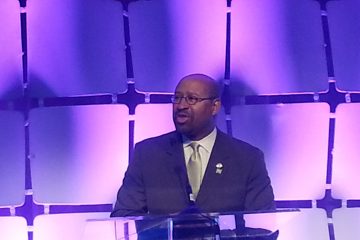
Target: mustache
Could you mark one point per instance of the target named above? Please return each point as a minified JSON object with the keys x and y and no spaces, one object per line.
{"x":182,"y":113}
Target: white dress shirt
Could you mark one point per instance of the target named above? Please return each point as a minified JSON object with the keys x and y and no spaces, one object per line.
{"x":206,"y":146}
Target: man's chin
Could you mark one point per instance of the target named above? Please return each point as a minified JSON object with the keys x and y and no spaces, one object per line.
{"x":183,"y":129}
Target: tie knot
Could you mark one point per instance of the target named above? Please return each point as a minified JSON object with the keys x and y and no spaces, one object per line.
{"x":195,"y":146}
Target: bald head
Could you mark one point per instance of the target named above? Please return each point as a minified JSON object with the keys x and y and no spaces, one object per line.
{"x":211,"y":86}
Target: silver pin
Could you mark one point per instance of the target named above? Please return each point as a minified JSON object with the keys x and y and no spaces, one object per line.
{"x":219,"y":168}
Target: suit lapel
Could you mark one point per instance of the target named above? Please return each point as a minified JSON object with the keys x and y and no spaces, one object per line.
{"x":176,"y":162}
{"x":175,"y":151}
{"x":219,"y":155}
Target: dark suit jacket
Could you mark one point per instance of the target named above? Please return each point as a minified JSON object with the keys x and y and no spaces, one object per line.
{"x":156,"y":180}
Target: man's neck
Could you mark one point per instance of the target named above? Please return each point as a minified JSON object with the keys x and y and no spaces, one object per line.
{"x":199,"y":138}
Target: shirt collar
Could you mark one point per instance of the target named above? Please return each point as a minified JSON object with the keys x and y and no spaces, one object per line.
{"x":207,"y":142}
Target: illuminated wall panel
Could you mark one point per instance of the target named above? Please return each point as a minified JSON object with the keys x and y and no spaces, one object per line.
{"x":10,"y":50}
{"x":346,"y":223}
{"x":295,"y":225}
{"x":83,"y":53}
{"x":79,"y":153}
{"x":346,"y":153}
{"x":12,"y":165}
{"x":63,"y":226}
{"x":308,"y":224}
{"x":173,"y":38}
{"x":344,"y":23}
{"x":96,"y":229}
{"x":152,"y":120}
{"x":275,"y":49}
{"x":13,"y":228}
{"x":152,"y":48}
{"x":293,"y":137}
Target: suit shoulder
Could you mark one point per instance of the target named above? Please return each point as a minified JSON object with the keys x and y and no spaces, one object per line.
{"x":158,"y":140}
{"x":240,"y":145}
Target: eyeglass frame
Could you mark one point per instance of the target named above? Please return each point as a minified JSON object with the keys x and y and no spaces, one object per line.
{"x":197,"y":99}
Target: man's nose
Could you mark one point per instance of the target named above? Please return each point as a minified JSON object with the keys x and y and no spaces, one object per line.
{"x":183,"y":103}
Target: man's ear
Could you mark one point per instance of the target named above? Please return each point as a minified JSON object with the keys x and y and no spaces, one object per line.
{"x":216,"y":106}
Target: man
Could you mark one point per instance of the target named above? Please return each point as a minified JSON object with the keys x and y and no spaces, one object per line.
{"x":229,"y":175}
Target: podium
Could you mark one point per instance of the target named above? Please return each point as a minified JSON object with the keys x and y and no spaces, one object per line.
{"x":251,"y":225}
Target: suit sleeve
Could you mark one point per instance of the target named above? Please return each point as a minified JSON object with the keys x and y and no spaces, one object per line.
{"x":131,"y":199}
{"x":259,"y":194}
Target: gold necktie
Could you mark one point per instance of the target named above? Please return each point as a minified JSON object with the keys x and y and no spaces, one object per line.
{"x":194,"y":169}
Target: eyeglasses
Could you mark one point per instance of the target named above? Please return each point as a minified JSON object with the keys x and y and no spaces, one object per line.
{"x":191,"y":100}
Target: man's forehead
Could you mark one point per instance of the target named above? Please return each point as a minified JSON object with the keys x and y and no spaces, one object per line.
{"x":193,"y":86}
{"x":194,"y":82}
{"x":197,"y":78}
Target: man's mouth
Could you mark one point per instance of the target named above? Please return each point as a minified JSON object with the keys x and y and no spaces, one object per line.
{"x":182,"y":117}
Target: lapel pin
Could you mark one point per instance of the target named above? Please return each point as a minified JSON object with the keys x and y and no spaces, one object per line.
{"x":219,"y":168}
